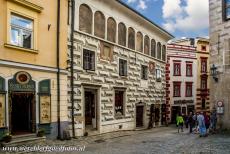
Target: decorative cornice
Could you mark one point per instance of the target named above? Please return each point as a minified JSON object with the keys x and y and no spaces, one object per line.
{"x":28,"y":4}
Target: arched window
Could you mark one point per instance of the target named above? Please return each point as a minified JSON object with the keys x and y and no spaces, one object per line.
{"x":146,"y":47}
{"x":153,"y":48}
{"x":85,"y":19}
{"x":139,"y":42}
{"x":111,"y":30}
{"x":99,"y":24}
{"x":158,"y":50}
{"x":122,"y":34}
{"x":131,"y":38}
{"x":164,"y":53}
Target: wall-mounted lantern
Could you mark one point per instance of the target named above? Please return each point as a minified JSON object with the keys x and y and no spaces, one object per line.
{"x":214,"y":72}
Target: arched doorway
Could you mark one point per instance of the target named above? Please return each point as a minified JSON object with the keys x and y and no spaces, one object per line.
{"x":22,"y":107}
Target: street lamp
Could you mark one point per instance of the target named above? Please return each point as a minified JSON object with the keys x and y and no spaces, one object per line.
{"x":214,"y":72}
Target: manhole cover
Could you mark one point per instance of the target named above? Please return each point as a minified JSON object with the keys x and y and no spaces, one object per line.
{"x":99,"y":141}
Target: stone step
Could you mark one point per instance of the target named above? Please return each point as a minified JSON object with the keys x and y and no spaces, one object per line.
{"x":23,"y":136}
{"x":25,"y":140}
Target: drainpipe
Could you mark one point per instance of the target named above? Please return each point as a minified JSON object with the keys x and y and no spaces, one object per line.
{"x":71,"y":61}
{"x":58,"y":68}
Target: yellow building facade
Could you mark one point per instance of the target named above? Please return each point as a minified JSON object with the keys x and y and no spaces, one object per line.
{"x":203,"y":75}
{"x":33,"y":77}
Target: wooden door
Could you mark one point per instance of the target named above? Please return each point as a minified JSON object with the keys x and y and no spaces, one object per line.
{"x":139,"y":116}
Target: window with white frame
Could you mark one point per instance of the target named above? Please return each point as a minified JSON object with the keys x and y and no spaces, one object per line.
{"x":158,"y":75}
{"x":88,"y":60}
{"x":21,"y":31}
{"x":144,"y":72}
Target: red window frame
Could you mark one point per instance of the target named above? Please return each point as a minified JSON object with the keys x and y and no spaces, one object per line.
{"x":187,"y":66}
{"x":178,"y":86}
{"x":175,"y":64}
{"x":188,"y":85}
{"x":203,"y":81}
{"x":203,"y":65}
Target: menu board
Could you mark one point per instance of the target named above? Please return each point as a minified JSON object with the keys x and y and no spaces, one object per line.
{"x":2,"y":110}
{"x":45,"y":109}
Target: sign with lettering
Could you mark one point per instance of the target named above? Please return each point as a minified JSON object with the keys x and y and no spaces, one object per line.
{"x":220,"y":107}
{"x":45,"y":109}
{"x":22,"y":82}
{"x":2,"y":111}
{"x":184,"y":102}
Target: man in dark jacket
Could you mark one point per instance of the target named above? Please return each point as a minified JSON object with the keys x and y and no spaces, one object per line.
{"x":190,"y":122}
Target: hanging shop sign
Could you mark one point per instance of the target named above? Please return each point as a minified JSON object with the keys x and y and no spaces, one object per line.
{"x":22,"y":82}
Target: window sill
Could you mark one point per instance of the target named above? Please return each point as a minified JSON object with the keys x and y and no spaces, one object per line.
{"x":20,"y":48}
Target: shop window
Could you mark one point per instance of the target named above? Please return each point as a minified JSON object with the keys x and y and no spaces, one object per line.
{"x":119,"y":102}
{"x":146,"y":45}
{"x":176,"y":89}
{"x":44,"y":102}
{"x":144,"y":72}
{"x":159,"y":50}
{"x":203,"y":104}
{"x":111,"y":30}
{"x":122,"y":34}
{"x":122,"y":67}
{"x":153,"y":48}
{"x":158,"y":75}
{"x":106,"y":51}
{"x":85,"y":19}
{"x":203,"y":65}
{"x":188,"y":69}
{"x":131,"y":38}
{"x":2,"y":103}
{"x":164,"y":53}
{"x":177,"y":69}
{"x":139,"y":42}
{"x":226,"y":9}
{"x":21,"y":31}
{"x":99,"y":24}
{"x":188,"y":92}
{"x":88,"y":60}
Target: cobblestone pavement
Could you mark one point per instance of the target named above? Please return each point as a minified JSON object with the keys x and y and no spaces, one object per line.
{"x":161,"y":140}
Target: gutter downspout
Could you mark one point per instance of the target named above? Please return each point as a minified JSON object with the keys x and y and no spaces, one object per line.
{"x":58,"y":67}
{"x":71,"y":61}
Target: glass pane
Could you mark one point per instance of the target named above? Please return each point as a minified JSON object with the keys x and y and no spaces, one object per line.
{"x":228,"y":2}
{"x":15,"y":36}
{"x":27,"y":39}
{"x":22,"y":22}
{"x":228,"y":12}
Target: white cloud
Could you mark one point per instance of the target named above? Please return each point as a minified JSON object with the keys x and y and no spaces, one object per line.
{"x":171,"y":8}
{"x":142,"y":5}
{"x":131,"y":1}
{"x":191,"y":17}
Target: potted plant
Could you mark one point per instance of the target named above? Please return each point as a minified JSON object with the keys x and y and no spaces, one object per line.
{"x":7,"y":137}
{"x":41,"y":132}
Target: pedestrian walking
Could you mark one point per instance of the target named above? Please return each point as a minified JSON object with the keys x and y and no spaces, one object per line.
{"x":190,"y":122}
{"x":201,"y":124}
{"x":180,"y":122}
{"x":207,"y":122}
{"x":213,"y":120}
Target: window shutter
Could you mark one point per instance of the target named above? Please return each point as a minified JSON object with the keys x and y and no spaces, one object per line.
{"x":92,"y":60}
{"x":120,"y":67}
{"x":84,"y":60}
{"x":125,"y":68}
{"x":227,"y":52}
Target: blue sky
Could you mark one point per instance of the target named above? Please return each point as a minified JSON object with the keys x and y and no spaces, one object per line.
{"x":182,"y":18}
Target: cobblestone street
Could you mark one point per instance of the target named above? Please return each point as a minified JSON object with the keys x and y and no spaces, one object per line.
{"x":157,"y":140}
{"x":161,"y":140}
